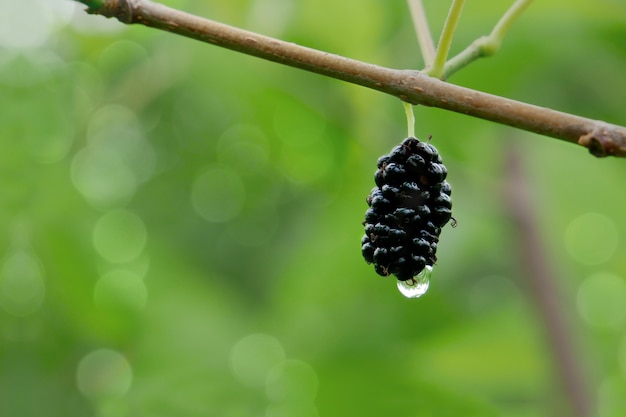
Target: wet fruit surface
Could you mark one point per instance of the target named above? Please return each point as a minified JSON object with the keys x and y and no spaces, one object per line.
{"x":407,"y":209}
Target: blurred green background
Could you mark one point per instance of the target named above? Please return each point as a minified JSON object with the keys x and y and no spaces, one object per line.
{"x":180,"y":224}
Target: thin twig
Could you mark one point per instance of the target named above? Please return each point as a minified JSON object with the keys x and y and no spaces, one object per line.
{"x":507,"y":20}
{"x":424,"y":38}
{"x":445,"y":41}
{"x":602,"y":139}
{"x":537,"y":273}
{"x":486,"y":45}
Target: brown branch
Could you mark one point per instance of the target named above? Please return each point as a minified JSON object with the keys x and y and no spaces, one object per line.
{"x":538,"y":274}
{"x":602,"y":139}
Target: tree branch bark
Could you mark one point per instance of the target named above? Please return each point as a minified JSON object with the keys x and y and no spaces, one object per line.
{"x":601,"y":138}
{"x":537,"y":272}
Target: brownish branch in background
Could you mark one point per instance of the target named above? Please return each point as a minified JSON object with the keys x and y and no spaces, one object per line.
{"x":537,"y":272}
{"x":602,"y":139}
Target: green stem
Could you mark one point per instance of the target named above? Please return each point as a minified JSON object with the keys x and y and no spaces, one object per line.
{"x":410,"y":119}
{"x":92,"y":4}
{"x":507,"y":20}
{"x":424,"y":38}
{"x":445,"y":41}
{"x":486,"y":45}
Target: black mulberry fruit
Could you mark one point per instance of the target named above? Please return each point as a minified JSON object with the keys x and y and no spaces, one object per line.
{"x":407,"y":209}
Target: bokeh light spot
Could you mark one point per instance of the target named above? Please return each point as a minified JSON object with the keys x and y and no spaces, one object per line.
{"x":591,"y":238}
{"x":116,"y":130}
{"x":120,"y":289}
{"x":104,"y":179}
{"x":601,"y":300}
{"x":254,"y":356}
{"x":104,"y":374}
{"x":26,"y":23}
{"x":119,"y":236}
{"x":292,"y":381}
{"x":245,"y":148}
{"x":116,"y":159}
{"x":22,"y":286}
{"x":218,"y":194}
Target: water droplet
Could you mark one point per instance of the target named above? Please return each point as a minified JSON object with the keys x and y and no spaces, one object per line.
{"x":416,"y":286}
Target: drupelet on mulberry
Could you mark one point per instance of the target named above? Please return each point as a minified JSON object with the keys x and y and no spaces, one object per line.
{"x":407,"y":209}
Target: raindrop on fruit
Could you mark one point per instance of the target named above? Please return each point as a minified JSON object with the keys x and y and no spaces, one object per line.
{"x":418,"y":285}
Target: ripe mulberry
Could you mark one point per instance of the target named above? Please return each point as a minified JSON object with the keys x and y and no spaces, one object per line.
{"x":407,"y":209}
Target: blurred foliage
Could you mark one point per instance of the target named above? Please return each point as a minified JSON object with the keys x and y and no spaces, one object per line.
{"x":180,"y":224}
